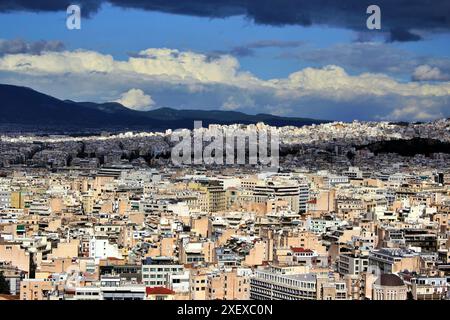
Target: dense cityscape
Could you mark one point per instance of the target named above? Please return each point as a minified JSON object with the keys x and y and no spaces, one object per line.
{"x":110,"y":217}
{"x":224,"y":158}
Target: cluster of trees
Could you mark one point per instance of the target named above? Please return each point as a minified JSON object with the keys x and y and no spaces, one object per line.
{"x":409,"y":148}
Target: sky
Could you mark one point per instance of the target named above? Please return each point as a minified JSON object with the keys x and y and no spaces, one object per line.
{"x":299,"y":58}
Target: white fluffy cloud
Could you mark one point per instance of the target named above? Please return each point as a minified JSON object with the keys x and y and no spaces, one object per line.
{"x":189,"y":68}
{"x":192,"y":80}
{"x":165,"y":64}
{"x":429,"y":73}
{"x":334,"y":82}
{"x":136,"y":99}
{"x":238,"y":102}
{"x":414,"y":109}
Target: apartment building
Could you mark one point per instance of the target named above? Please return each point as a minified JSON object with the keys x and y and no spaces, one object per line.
{"x":392,"y":260}
{"x":352,"y":264}
{"x":35,"y":289}
{"x":430,"y":287}
{"x":269,"y":285}
{"x":163,"y":272}
{"x":101,"y":248}
{"x":294,"y":193}
{"x":198,"y":283}
{"x":229,"y":285}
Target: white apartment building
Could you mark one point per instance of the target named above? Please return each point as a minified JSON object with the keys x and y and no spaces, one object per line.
{"x":172,"y":276}
{"x":322,"y":225}
{"x":179,"y":281}
{"x":350,"y":264}
{"x":5,"y":199}
{"x":294,"y":193}
{"x":100,"y":248}
{"x":272,"y":285}
{"x":333,"y":180}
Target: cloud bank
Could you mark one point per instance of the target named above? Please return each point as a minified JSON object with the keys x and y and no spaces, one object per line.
{"x":20,"y":46}
{"x":375,"y":57}
{"x":185,"y":79}
{"x":403,"y":20}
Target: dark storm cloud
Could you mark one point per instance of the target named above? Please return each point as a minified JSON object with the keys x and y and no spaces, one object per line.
{"x":88,"y":6}
{"x":241,"y":51}
{"x":248,"y":49}
{"x":16,"y":46}
{"x":399,"y":17}
{"x":396,"y":14}
{"x":402,"y":35}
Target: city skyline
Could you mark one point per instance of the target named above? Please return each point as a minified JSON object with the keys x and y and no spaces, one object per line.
{"x":221,"y":155}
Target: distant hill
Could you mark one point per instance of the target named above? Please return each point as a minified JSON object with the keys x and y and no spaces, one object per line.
{"x":27,"y":108}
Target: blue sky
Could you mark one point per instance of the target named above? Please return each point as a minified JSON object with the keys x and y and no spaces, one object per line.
{"x":109,"y":32}
{"x":232,"y":63}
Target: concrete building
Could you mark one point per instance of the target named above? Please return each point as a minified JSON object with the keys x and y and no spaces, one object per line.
{"x":267,"y":285}
{"x":391,"y":260}
{"x":294,"y":193}
{"x":229,"y":285}
{"x":101,"y":248}
{"x":163,"y":272}
{"x":352,"y":264}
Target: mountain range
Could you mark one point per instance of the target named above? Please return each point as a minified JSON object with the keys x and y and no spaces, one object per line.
{"x":22,"y":107}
